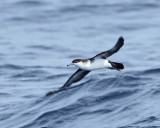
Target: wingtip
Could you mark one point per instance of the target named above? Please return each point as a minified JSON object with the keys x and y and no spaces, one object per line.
{"x":121,"y":38}
{"x":51,"y":93}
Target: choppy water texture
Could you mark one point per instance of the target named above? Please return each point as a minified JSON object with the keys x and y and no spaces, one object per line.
{"x":38,"y":38}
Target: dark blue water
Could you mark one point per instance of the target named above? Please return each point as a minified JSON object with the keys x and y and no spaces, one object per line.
{"x":38,"y":38}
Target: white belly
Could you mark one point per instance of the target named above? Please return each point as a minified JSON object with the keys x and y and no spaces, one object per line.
{"x":97,"y":64}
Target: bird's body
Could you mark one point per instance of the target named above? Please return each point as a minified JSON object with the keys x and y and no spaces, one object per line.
{"x":92,"y":64}
{"x":97,"y":62}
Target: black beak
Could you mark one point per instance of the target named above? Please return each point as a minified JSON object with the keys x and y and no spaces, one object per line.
{"x":69,"y":64}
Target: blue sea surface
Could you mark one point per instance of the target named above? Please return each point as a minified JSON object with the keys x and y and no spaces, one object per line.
{"x":38,"y":38}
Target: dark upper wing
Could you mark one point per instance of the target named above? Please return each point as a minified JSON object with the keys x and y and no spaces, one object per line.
{"x":108,"y":53}
{"x":77,"y":76}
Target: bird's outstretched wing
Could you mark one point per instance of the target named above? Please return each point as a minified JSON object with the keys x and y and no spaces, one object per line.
{"x":106,"y":54}
{"x":77,"y":76}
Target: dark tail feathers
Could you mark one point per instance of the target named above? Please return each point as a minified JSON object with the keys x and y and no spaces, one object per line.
{"x":116,"y":65}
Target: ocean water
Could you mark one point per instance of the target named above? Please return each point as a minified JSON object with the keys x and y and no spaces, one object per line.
{"x":38,"y":38}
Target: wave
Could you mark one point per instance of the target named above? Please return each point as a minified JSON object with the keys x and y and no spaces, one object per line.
{"x":30,"y":3}
{"x":91,"y":98}
{"x":151,"y":71}
{"x":11,"y":66}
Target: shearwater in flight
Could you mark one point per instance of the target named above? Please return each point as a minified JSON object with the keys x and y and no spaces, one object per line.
{"x":97,"y":62}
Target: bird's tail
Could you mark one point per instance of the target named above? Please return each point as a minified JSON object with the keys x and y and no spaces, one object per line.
{"x":116,"y":65}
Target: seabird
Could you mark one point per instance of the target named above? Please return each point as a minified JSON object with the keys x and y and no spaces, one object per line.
{"x":97,"y":62}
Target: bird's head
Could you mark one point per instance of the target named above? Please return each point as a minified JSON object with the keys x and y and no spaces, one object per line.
{"x":76,"y":62}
